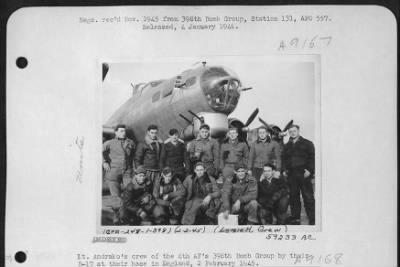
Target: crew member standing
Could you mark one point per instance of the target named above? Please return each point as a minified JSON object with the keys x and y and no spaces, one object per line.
{"x":233,"y":153}
{"x":263,"y":151}
{"x":205,"y":149}
{"x":117,"y":164}
{"x":148,"y":153}
{"x":299,"y":166}
{"x":173,"y":155}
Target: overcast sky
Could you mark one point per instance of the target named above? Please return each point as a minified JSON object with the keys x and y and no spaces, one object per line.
{"x":284,"y":88}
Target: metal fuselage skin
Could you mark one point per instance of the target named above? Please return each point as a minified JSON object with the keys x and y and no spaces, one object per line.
{"x":210,"y":92}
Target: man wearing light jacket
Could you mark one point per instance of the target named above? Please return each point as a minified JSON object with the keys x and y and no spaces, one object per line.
{"x":263,"y":151}
{"x":117,"y":164}
{"x":239,"y":196}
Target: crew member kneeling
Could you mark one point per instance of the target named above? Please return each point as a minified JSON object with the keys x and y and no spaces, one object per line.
{"x":273,"y":197}
{"x":202,"y":197}
{"x":138,"y":202}
{"x":241,"y":193}
{"x":169,"y":194}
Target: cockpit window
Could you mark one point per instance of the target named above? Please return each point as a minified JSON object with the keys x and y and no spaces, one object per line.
{"x":190,"y":81}
{"x":155,"y":83}
{"x":221,"y":89}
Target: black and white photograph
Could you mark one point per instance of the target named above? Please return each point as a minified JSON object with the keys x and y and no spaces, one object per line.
{"x":227,"y":140}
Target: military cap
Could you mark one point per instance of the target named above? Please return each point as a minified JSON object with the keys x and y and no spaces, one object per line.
{"x":140,"y":169}
{"x":240,"y":166}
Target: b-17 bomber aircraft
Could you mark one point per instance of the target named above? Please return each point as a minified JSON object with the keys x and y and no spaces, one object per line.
{"x":204,"y":94}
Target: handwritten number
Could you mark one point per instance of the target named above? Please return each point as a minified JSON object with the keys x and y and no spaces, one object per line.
{"x":337,"y":258}
{"x":295,"y":42}
{"x":329,"y":38}
{"x":312,"y":44}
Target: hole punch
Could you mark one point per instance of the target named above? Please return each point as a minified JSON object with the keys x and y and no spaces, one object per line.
{"x":22,"y":62}
{"x":20,"y":257}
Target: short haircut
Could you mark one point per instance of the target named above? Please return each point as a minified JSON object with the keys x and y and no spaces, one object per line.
{"x":166,"y":170}
{"x":119,"y":126}
{"x":272,"y":166}
{"x":294,"y":126}
{"x":233,"y":129}
{"x":205,"y":126}
{"x":152,"y":127}
{"x":262,"y":127}
{"x":199,"y":164}
{"x":173,"y":131}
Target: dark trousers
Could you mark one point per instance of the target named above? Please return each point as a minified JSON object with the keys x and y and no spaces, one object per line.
{"x":297,"y":183}
{"x":278,"y":208}
{"x":247,"y":214}
{"x":197,"y":214}
{"x":180,"y":172}
{"x":163,"y":214}
{"x":129,"y":217}
{"x":152,"y":175}
{"x":116,"y":178}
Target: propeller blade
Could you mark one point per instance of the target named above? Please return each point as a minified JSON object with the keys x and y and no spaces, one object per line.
{"x":251,"y":118}
{"x":265,"y":123}
{"x":290,"y":123}
{"x":106,"y":67}
{"x":186,"y":119}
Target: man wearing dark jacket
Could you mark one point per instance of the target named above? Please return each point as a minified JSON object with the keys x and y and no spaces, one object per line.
{"x":232,"y":154}
{"x":299,"y":166}
{"x":263,"y":151}
{"x":138,"y":202}
{"x":239,"y":196}
{"x":117,"y":164}
{"x":148,"y":153}
{"x":173,"y":155}
{"x":169,"y":194}
{"x":273,"y":197}
{"x":202,"y":197}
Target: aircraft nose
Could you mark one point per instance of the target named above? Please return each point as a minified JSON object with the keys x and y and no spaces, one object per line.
{"x":223,"y":94}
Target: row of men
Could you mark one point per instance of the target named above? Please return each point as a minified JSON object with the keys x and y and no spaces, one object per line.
{"x":294,"y":161}
{"x":199,"y":198}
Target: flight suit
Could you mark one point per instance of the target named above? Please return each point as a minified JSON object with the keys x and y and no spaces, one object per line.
{"x":205,"y":151}
{"x":171,"y":209}
{"x":244,"y":190}
{"x":261,"y":153}
{"x":232,"y":153}
{"x":273,"y":198}
{"x":197,"y":188}
{"x":118,"y":153}
{"x":137,"y":198}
